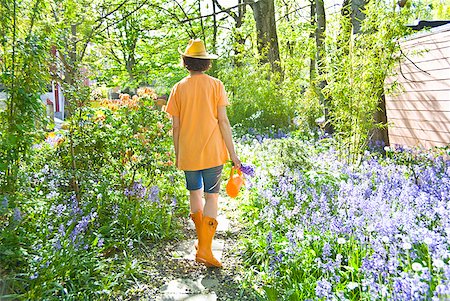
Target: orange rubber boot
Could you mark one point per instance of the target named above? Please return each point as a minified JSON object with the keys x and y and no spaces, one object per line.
{"x":197,"y":219}
{"x":204,"y":253}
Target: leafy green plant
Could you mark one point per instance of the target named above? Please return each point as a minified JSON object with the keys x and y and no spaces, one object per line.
{"x":79,"y":245}
{"x":257,"y":101}
{"x":357,"y":72}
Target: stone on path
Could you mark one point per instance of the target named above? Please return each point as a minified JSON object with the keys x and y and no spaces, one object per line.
{"x":188,"y":290}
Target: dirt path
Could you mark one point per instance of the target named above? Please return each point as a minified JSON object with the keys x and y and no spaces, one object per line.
{"x":174,"y":275}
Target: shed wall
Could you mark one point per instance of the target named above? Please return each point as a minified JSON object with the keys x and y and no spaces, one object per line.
{"x":419,"y":115}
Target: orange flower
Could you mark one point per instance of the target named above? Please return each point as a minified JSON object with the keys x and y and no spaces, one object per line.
{"x":124,"y":97}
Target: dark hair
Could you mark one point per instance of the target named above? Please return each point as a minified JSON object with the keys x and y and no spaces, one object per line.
{"x":194,"y":64}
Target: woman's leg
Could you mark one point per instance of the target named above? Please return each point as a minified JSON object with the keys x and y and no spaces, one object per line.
{"x":211,"y":204}
{"x":211,"y":178}
{"x":195,"y":199}
{"x":194,"y":185}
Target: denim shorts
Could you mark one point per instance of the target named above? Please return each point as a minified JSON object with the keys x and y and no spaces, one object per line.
{"x":210,"y":177}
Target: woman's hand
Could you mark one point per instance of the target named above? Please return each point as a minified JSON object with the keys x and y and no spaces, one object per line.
{"x":236,"y":161}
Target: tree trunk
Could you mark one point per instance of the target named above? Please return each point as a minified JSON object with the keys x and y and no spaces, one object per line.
{"x":378,"y":134}
{"x":320,"y":51}
{"x":357,"y":14}
{"x":214,"y":48}
{"x":238,"y":39}
{"x":129,"y":64}
{"x":312,"y":64}
{"x":266,"y":32}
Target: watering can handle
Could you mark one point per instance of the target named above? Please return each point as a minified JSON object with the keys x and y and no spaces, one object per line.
{"x":235,"y":169}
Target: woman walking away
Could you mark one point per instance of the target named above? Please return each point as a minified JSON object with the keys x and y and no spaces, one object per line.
{"x":202,"y":140}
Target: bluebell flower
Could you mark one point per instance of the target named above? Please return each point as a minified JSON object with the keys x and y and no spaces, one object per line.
{"x":323,"y":289}
{"x":173,"y":204}
{"x":5,"y":202}
{"x":57,"y":245}
{"x":153,"y":195}
{"x":17,"y":215}
{"x":115,"y":211}
{"x":442,"y":291}
{"x":248,"y":169}
{"x":269,"y":238}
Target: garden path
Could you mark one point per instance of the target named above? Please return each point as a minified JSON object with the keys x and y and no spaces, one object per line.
{"x":184,"y":279}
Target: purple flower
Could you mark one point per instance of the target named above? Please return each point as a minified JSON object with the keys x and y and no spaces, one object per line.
{"x":57,"y":245}
{"x":154,"y":194}
{"x":248,"y":170}
{"x":115,"y":211}
{"x":61,"y":230}
{"x":409,"y":287}
{"x":442,"y":291}
{"x":82,"y":225}
{"x":59,"y":210}
{"x":173,"y":204}
{"x":323,"y":289}
{"x":74,"y":206}
{"x":269,"y":238}
{"x":5,"y":203}
{"x":137,"y":190}
{"x":17,"y":215}
{"x":380,"y":205}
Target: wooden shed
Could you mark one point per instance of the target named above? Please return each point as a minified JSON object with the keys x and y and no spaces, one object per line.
{"x":419,"y":115}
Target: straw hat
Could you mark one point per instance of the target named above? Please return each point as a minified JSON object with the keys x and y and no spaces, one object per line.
{"x":196,"y":49}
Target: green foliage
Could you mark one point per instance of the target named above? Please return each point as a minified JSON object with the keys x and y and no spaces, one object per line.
{"x":269,"y":225}
{"x":23,"y":49}
{"x":256,"y":100}
{"x":72,"y":208}
{"x":77,"y":243}
{"x":316,"y":228}
{"x":357,"y":72}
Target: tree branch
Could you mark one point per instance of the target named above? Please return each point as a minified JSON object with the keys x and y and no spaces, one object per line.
{"x":185,"y":14}
{"x":111,"y":49}
{"x":294,"y":11}
{"x":227,"y":10}
{"x":33,"y":16}
{"x":111,"y":12}
{"x":91,"y":34}
{"x":403,"y":54}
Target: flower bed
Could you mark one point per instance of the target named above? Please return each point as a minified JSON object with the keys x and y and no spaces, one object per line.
{"x":323,"y":230}
{"x":94,"y":192}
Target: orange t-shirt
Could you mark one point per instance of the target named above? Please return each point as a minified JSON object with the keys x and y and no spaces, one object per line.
{"x":194,"y":100}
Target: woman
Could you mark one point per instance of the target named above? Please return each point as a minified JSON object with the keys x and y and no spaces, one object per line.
{"x":202,"y":140}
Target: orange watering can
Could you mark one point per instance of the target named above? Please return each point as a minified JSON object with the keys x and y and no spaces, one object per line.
{"x":235,"y":182}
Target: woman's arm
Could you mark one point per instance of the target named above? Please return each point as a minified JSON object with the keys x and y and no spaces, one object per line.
{"x":176,"y":135}
{"x":225,"y":129}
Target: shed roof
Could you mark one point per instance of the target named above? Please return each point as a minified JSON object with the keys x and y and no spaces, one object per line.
{"x":437,"y":26}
